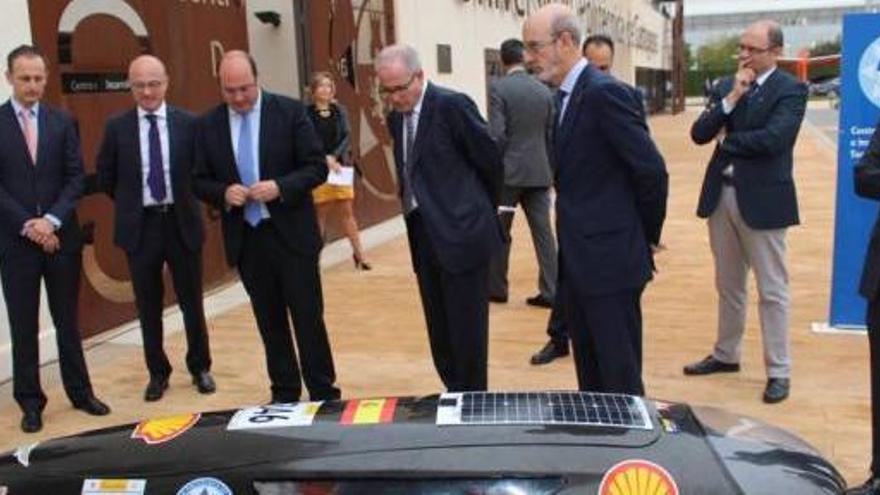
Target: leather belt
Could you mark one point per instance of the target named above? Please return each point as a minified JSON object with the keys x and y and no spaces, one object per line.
{"x":160,"y":209}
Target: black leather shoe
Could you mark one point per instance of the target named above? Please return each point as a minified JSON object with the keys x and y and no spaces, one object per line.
{"x":32,"y":421}
{"x":155,"y":389}
{"x":91,"y":405}
{"x":870,"y":487}
{"x":539,"y":301}
{"x":710,"y":365}
{"x":204,"y":382}
{"x":498,"y":299}
{"x":548,"y":353}
{"x":776,"y":390}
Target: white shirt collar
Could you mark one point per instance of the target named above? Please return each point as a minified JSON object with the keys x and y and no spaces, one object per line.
{"x":18,"y":107}
{"x":418,"y":108}
{"x":763,"y":77}
{"x":572,"y":77}
{"x":161,"y":112}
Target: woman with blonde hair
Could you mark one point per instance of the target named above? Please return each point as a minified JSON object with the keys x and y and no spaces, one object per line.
{"x":331,"y":123}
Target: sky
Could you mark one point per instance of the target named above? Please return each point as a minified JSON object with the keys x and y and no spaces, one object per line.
{"x":703,"y":7}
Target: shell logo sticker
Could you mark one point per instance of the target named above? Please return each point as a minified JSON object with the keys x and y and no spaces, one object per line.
{"x":637,"y":477}
{"x":161,"y":430}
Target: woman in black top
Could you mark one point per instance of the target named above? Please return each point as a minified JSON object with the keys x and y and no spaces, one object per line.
{"x":337,"y":200}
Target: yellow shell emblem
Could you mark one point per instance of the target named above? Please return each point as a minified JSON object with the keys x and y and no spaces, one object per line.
{"x":637,"y":477}
{"x":159,"y":430}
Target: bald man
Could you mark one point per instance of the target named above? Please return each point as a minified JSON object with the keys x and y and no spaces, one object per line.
{"x":752,"y":120}
{"x":145,"y":165}
{"x":257,"y":160}
{"x":610,"y":206}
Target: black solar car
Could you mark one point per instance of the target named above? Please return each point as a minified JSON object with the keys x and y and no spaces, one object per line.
{"x":460,"y":443}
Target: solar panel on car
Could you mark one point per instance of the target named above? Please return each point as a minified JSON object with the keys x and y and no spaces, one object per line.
{"x":543,"y":408}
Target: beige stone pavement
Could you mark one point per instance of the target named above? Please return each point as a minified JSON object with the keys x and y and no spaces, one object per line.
{"x":380,"y":343}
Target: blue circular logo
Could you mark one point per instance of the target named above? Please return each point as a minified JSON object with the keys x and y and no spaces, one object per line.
{"x":869,"y":72}
{"x":205,"y":486}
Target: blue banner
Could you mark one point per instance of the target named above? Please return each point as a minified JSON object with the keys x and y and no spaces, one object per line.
{"x":859,"y":111}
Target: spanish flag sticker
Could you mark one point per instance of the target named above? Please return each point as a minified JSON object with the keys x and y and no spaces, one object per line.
{"x":368,"y":412}
{"x":637,"y":477}
{"x":160,"y":430}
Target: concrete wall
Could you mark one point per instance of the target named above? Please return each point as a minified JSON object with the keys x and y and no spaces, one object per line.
{"x":274,"y":48}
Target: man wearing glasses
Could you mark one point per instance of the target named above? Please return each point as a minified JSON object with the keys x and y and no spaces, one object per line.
{"x":611,"y":187}
{"x":257,"y":160}
{"x":145,"y":165}
{"x":450,"y":174}
{"x":749,"y":199}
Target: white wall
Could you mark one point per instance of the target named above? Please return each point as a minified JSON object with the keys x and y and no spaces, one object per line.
{"x":470,"y":27}
{"x":467,"y":27}
{"x":274,"y":48}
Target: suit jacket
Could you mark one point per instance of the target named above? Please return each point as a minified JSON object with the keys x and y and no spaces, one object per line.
{"x":290,"y":153}
{"x":51,"y":186}
{"x":120,"y":175}
{"x":521,"y":123}
{"x":867,"y":184}
{"x":456,"y":177}
{"x":760,"y":134}
{"x":612,"y":186}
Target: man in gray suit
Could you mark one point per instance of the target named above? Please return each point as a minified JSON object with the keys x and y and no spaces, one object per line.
{"x":521,"y":122}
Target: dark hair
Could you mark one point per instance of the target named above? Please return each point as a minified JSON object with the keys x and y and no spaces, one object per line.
{"x":598,"y":39}
{"x":774,"y":35}
{"x":512,"y":51}
{"x":29,"y":51}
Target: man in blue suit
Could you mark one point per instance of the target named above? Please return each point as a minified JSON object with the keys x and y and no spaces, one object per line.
{"x":611,"y":202}
{"x":41,"y":179}
{"x":749,"y":199}
{"x":450,"y":175}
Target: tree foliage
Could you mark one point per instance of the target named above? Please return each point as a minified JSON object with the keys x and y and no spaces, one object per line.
{"x":719,"y":55}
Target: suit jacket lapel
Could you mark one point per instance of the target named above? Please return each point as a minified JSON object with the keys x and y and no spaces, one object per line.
{"x":263,"y":142}
{"x":574,"y":101}
{"x":222,"y":123}
{"x":11,"y":121}
{"x":43,"y":130}
{"x":425,"y":116}
{"x":132,"y":128}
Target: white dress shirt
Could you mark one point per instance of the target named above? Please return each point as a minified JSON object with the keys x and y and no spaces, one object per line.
{"x":161,"y":114}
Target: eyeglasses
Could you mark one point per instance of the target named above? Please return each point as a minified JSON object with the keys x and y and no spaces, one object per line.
{"x":535,"y":46}
{"x":388,"y":91}
{"x":753,"y":49}
{"x":144,"y":85}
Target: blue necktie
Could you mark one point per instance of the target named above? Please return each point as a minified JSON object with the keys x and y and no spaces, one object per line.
{"x":246,"y":168}
{"x":156,"y":175}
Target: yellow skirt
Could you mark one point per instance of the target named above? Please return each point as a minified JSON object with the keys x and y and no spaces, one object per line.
{"x":326,"y":193}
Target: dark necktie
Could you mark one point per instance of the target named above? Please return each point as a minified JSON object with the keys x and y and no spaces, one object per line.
{"x":558,"y":99}
{"x":156,"y":175}
{"x":409,"y":203}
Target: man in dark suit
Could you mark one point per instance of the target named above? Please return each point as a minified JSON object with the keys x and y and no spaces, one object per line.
{"x":521,"y":123}
{"x":257,"y":160}
{"x":610,"y":205}
{"x":145,"y":165}
{"x":867,"y":185}
{"x":749,"y":199}
{"x":41,"y":179}
{"x":450,"y":175}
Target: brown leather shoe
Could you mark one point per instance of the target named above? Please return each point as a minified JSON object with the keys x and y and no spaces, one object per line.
{"x":548,"y":353}
{"x":710,"y":365}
